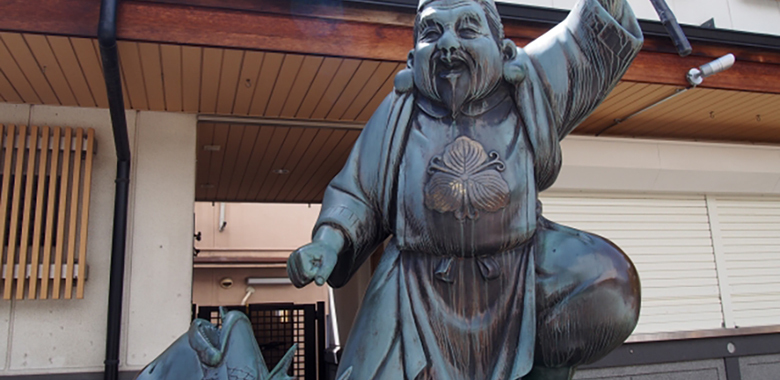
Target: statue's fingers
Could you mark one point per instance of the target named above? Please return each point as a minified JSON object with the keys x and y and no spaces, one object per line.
{"x":296,"y":271}
{"x":326,"y":268}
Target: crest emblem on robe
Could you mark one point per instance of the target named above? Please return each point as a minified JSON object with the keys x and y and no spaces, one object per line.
{"x":465,"y":180}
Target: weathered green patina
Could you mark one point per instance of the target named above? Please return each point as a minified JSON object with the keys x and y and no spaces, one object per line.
{"x":476,"y":284}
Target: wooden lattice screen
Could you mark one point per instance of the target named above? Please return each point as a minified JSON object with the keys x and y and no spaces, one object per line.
{"x":44,"y":201}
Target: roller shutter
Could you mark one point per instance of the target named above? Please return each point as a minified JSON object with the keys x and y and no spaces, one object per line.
{"x":668,"y":239}
{"x":750,"y":232}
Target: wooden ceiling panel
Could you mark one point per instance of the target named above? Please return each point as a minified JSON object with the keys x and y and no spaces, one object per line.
{"x":247,"y":81}
{"x":217,"y":159}
{"x":259,"y":150}
{"x":16,"y":78}
{"x":209,"y":79}
{"x":731,"y":111}
{"x":228,"y":80}
{"x":274,"y":143}
{"x":328,"y":169}
{"x":693,"y":104}
{"x":7,"y":91}
{"x":272,"y":63}
{"x":628,"y":101}
{"x":50,"y":67}
{"x":151,"y":68}
{"x":232,"y":147}
{"x":380,"y":95}
{"x":381,"y":76}
{"x":620,"y":96}
{"x":279,"y":164}
{"x":65,"y":58}
{"x":41,"y":69}
{"x":663,"y":113}
{"x":21,"y":54}
{"x":288,"y":72}
{"x":325,"y":75}
{"x":245,"y":149}
{"x":351,"y":91}
{"x":191,"y":78}
{"x":170,"y":60}
{"x":130,"y":63}
{"x":303,"y":82}
{"x":345,"y":72}
{"x":292,"y":164}
{"x":318,"y":169}
{"x":293,"y":180}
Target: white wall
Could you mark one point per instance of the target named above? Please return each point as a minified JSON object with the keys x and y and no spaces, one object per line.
{"x":46,"y":336}
{"x":758,"y":16}
{"x":615,"y":164}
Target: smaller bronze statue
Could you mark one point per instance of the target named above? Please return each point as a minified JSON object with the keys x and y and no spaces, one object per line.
{"x":209,"y":353}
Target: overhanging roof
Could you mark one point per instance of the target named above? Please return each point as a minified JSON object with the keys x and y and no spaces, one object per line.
{"x":264,"y":59}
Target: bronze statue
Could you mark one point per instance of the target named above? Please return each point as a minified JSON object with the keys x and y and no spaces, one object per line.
{"x":475,"y":283}
{"x":210,"y":353}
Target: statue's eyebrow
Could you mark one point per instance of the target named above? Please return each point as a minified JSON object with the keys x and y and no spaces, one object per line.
{"x":469,"y":19}
{"x":429,"y":22}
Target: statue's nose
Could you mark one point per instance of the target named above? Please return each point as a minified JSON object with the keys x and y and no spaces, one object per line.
{"x":447,"y":45}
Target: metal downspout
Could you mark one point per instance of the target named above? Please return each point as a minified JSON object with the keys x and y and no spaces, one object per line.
{"x":110,"y":59}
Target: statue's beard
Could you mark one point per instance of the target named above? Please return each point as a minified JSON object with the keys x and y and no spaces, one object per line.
{"x":456,"y":80}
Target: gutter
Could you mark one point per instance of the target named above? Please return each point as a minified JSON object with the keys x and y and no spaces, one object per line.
{"x":550,"y":17}
{"x":110,"y":59}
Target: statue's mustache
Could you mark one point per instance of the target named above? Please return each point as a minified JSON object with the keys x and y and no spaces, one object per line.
{"x":446,"y":61}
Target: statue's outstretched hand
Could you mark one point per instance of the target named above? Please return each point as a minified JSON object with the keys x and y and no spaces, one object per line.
{"x":315,"y":261}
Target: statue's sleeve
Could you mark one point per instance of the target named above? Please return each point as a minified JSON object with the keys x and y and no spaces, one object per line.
{"x":352,"y":201}
{"x":581,"y":60}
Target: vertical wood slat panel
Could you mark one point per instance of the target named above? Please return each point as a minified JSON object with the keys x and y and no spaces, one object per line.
{"x":11,"y":255}
{"x":49,"y":235}
{"x":26,"y":211}
{"x":56,"y":286}
{"x":38,"y":221}
{"x":85,"y":214}
{"x":26,"y":168}
{"x":9,"y":142}
{"x":73,"y":214}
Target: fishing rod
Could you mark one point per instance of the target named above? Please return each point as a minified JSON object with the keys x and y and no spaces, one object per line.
{"x":672,"y":27}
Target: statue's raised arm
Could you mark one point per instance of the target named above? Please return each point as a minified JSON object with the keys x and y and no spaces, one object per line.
{"x":570,"y":70}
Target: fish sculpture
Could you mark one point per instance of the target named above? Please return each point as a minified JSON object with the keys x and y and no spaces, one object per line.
{"x":206,"y":352}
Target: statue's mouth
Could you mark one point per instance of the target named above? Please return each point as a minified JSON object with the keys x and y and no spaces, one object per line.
{"x":451,"y":69}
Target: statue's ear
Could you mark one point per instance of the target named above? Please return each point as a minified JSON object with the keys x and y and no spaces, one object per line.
{"x":508,"y":49}
{"x":514,"y":70}
{"x":404,"y":80}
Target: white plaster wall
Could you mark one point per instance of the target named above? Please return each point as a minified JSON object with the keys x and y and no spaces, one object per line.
{"x":160,"y":276}
{"x":758,"y":16}
{"x":256,"y":227}
{"x":47,"y":336}
{"x":615,"y":164}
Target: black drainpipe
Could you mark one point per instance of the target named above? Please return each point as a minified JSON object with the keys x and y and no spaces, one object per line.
{"x":116,"y":106}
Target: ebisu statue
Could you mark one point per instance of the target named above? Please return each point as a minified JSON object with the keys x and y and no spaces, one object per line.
{"x":475,"y":283}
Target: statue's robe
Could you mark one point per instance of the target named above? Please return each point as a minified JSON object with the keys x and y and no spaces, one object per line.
{"x":453,"y":297}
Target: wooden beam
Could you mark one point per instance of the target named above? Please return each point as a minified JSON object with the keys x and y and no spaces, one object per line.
{"x":351,"y":31}
{"x":61,"y":17}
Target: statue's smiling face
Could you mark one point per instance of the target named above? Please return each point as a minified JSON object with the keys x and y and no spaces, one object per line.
{"x":456,"y":58}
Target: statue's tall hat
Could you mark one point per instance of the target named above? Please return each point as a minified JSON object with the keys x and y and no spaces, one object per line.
{"x":423,"y":3}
